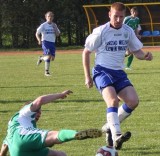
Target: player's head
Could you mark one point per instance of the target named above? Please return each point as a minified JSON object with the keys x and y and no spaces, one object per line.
{"x":117,"y":14}
{"x":134,"y":12}
{"x":49,"y":16}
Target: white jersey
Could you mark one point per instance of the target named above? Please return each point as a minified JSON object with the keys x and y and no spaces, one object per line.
{"x":24,"y":119}
{"x":23,"y":123}
{"x":48,"y":31}
{"x":111,"y":44}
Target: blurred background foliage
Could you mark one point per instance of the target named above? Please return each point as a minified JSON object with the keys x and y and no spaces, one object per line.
{"x":19,"y":20}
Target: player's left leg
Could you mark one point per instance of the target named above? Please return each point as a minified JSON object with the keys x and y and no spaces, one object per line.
{"x":129,"y":96}
{"x":64,"y":135}
{"x":40,"y":59}
{"x":131,"y":100}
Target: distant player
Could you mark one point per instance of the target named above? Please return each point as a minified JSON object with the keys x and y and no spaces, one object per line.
{"x":46,"y":35}
{"x":110,"y":42}
{"x":25,"y":139}
{"x":134,"y":22}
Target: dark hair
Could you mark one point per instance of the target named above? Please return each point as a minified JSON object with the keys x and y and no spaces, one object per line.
{"x":118,"y":6}
{"x":134,"y":9}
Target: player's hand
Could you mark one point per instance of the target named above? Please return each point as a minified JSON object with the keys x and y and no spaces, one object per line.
{"x":148,"y":56}
{"x":89,"y":82}
{"x":65,"y":93}
{"x":39,"y":42}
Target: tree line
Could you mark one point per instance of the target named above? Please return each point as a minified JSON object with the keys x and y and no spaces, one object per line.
{"x":19,"y":20}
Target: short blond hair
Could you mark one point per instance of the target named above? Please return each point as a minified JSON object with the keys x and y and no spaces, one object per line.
{"x":118,"y":6}
{"x":49,"y":12}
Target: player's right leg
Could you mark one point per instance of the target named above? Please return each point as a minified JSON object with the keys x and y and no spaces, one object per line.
{"x":47,"y":59}
{"x":46,"y":56}
{"x":129,"y":96}
{"x":121,"y":139}
{"x":110,"y":97}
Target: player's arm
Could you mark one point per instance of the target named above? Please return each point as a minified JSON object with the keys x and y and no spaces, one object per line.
{"x":4,"y":150}
{"x":57,"y":31}
{"x":137,"y":31}
{"x":141,"y":55}
{"x":93,"y":42}
{"x":86,"y":66}
{"x":44,"y":99}
{"x":38,"y":37}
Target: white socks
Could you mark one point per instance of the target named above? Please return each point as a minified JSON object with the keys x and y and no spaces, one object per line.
{"x":115,"y":116}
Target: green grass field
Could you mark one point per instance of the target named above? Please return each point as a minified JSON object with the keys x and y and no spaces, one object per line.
{"x":21,"y":80}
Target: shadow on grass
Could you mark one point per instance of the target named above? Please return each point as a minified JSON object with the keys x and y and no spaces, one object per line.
{"x":13,"y":101}
{"x":58,"y":101}
{"x":147,"y":72}
{"x":34,"y":86}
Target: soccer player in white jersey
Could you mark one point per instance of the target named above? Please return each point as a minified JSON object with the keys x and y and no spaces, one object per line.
{"x":110,"y":42}
{"x":25,"y":139}
{"x":46,"y":35}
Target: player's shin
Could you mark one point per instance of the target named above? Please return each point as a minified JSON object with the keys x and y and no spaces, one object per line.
{"x":66,"y":135}
{"x":123,"y":112}
{"x":113,"y":122}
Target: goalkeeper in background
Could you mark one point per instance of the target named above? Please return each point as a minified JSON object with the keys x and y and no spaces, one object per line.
{"x":134,"y":22}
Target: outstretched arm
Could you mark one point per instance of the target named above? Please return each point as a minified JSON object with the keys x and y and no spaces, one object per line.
{"x":86,"y":67}
{"x":4,"y":150}
{"x":44,"y":99}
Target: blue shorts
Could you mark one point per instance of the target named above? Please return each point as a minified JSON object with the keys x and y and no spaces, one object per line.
{"x":104,"y":77}
{"x":48,"y":48}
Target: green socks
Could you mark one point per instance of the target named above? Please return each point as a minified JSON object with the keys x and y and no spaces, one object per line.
{"x":130,"y":59}
{"x":66,"y":135}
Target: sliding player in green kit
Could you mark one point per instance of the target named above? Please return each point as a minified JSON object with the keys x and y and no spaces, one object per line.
{"x":25,"y":139}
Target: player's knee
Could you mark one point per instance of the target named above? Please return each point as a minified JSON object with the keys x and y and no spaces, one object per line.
{"x":46,"y":57}
{"x":51,"y":138}
{"x":113,"y":102}
{"x":133,"y":103}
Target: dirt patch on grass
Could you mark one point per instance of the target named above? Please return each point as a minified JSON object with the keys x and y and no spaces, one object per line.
{"x":73,"y":51}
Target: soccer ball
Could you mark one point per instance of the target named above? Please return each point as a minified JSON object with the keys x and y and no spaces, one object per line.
{"x":107,"y":151}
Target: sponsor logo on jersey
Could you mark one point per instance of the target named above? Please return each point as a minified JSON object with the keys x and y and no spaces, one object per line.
{"x":126,"y":35}
{"x":117,"y":34}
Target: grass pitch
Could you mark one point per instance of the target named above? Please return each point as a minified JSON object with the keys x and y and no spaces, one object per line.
{"x":21,"y":80}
